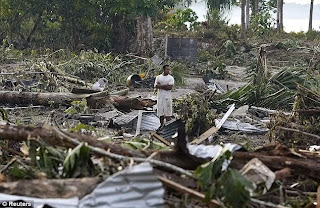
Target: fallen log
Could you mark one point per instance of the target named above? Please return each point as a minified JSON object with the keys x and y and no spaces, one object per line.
{"x":275,"y":157}
{"x":309,"y":167}
{"x":54,"y":188}
{"x":95,"y":100}
{"x":46,"y":99}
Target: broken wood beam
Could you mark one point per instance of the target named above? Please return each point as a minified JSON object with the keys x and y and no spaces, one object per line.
{"x":183,"y":189}
{"x":282,"y":174}
{"x":309,"y":167}
{"x":299,"y":131}
{"x":213,"y":129}
{"x":53,"y":188}
{"x":160,"y":138}
{"x":205,"y":135}
{"x":318,"y":197}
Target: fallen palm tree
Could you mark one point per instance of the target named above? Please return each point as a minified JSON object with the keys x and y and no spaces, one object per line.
{"x":263,"y":90}
{"x":302,"y":128}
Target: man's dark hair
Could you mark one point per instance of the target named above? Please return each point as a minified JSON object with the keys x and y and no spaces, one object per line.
{"x":165,"y":66}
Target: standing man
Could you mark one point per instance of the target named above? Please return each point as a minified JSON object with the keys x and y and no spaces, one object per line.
{"x":164,"y":83}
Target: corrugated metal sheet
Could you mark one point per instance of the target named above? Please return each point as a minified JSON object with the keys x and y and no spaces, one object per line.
{"x":126,"y":118}
{"x":240,"y":126}
{"x":109,"y":114}
{"x":171,"y":128}
{"x":134,"y":187}
{"x":149,"y":122}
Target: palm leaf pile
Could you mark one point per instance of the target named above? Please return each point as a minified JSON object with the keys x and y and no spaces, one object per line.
{"x":303,"y":127}
{"x":276,"y":92}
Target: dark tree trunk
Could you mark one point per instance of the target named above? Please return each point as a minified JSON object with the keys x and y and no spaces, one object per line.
{"x":243,"y":15}
{"x":36,"y":24}
{"x":120,"y":34}
{"x":248,"y":14}
{"x":279,"y":16}
{"x":144,"y":36}
{"x":256,"y":7}
{"x":311,"y":16}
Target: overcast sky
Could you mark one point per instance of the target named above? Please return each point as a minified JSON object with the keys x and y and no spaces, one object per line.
{"x":301,"y":1}
{"x":296,"y":14}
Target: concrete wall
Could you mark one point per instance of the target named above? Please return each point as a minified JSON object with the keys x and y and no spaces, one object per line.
{"x":182,"y":48}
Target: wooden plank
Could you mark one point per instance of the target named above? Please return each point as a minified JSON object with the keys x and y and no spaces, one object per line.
{"x":205,"y":135}
{"x":183,"y":189}
{"x":213,"y":129}
{"x":155,"y":135}
{"x":139,"y":123}
{"x":318,"y":198}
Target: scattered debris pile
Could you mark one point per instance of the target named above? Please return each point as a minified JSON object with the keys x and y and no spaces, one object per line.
{"x":302,"y":127}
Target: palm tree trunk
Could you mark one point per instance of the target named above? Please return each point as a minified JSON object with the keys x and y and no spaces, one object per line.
{"x":256,"y":7}
{"x":247,"y":14}
{"x":310,"y":16}
{"x":281,"y":15}
{"x":243,"y":14}
{"x":279,"y":11}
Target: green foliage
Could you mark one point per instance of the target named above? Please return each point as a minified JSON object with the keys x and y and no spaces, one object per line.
{"x":77,"y":106}
{"x":46,"y":159}
{"x":73,"y":24}
{"x":312,"y":35}
{"x":262,"y":22}
{"x":136,"y":143}
{"x":276,"y":92}
{"x":180,"y":19}
{"x":292,"y":43}
{"x":78,"y":162}
{"x":81,"y":127}
{"x":178,"y":71}
{"x":195,"y":111}
{"x":227,"y":185}
{"x":18,"y":172}
{"x":216,"y":70}
{"x":4,"y":114}
{"x":230,"y":49}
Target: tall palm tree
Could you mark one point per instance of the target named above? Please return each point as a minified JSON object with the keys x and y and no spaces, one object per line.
{"x":279,"y":15}
{"x":243,"y":14}
{"x":256,"y":7}
{"x":310,"y":16}
{"x":247,"y":14}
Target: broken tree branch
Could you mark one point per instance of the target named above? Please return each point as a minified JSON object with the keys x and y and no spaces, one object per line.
{"x":183,"y":189}
{"x":299,"y":131}
{"x":121,"y":157}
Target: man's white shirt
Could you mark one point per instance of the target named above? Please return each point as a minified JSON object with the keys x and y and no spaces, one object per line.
{"x":164,"y":80}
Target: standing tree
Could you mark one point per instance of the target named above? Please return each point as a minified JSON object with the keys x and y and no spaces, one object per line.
{"x":243,"y":15}
{"x":247,"y":14}
{"x":256,"y":7}
{"x":310,"y":16}
{"x":279,"y":16}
